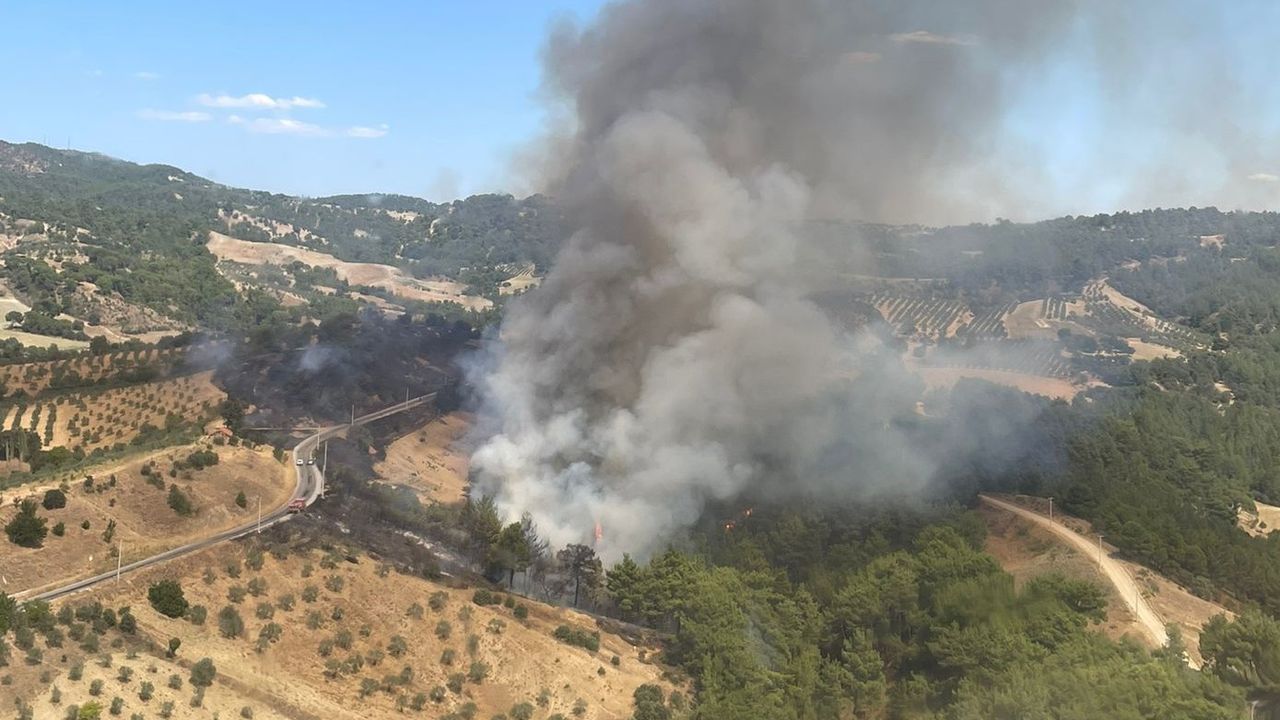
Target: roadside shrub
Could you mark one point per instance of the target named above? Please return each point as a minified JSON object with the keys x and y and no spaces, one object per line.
{"x":448,"y":656}
{"x":483,"y":597}
{"x":438,"y":600}
{"x":236,"y":594}
{"x":415,"y":611}
{"x":521,"y":711}
{"x":117,"y":706}
{"x":334,"y":583}
{"x":95,"y":688}
{"x":509,"y":602}
{"x":246,"y":712}
{"x":265,"y":611}
{"x":125,"y":674}
{"x":285,"y":602}
{"x":175,"y":682}
{"x":496,"y":626}
{"x":146,"y":690}
{"x":443,"y":629}
{"x":197,"y":614}
{"x":455,"y":682}
{"x":241,"y":501}
{"x":478,"y":672}
{"x":310,"y":593}
{"x":168,"y":599}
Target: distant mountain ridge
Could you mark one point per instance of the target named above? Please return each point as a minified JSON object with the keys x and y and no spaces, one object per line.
{"x":145,"y":224}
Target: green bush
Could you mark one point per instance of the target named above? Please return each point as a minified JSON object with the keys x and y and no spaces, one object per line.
{"x":203,"y":673}
{"x":54,"y":499}
{"x":578,"y":637}
{"x":26,"y":529}
{"x":168,"y":599}
{"x":230,"y":624}
{"x":483,"y":597}
{"x":179,"y":502}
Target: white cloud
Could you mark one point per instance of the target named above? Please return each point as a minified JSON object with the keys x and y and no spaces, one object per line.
{"x":361,"y":131}
{"x":146,"y":75}
{"x":279,"y":126}
{"x":190,"y":116}
{"x":1264,"y":177}
{"x":258,"y":101}
{"x":928,"y":38}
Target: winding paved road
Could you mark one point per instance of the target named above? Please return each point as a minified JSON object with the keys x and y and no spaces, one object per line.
{"x":1114,"y":571}
{"x":309,"y":486}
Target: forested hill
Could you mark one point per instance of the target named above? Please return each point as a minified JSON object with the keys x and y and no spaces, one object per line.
{"x":142,"y":228}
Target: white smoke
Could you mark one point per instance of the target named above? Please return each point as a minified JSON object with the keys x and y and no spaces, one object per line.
{"x":672,"y":356}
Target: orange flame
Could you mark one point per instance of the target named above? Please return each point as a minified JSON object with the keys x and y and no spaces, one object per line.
{"x":599,"y":532}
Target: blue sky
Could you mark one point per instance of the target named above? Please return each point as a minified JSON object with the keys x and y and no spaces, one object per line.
{"x":442,"y":92}
{"x":433,"y":98}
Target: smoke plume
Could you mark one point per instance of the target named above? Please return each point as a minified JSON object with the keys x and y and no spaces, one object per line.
{"x":672,"y":356}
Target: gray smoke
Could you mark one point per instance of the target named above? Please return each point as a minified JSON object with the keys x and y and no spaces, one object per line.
{"x":672,"y":355}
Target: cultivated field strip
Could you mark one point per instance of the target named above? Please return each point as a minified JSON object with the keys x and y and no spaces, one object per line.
{"x":1031,"y":357}
{"x":34,"y":378}
{"x":917,"y":315}
{"x":92,"y":419}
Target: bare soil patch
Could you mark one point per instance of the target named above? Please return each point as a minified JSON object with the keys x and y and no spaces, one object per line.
{"x":946,"y":378}
{"x":387,"y":277}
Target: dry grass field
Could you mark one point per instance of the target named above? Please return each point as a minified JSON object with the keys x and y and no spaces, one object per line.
{"x":351,"y":640}
{"x":144,"y":522}
{"x":431,"y":460}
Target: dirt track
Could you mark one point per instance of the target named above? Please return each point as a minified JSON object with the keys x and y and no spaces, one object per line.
{"x":1124,"y":584}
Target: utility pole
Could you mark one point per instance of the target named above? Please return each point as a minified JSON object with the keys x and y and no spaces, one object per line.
{"x":1099,"y":549}
{"x":1051,"y":510}
{"x":324,"y":466}
{"x":119,"y":558}
{"x":353,"y":413}
{"x":259,"y":514}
